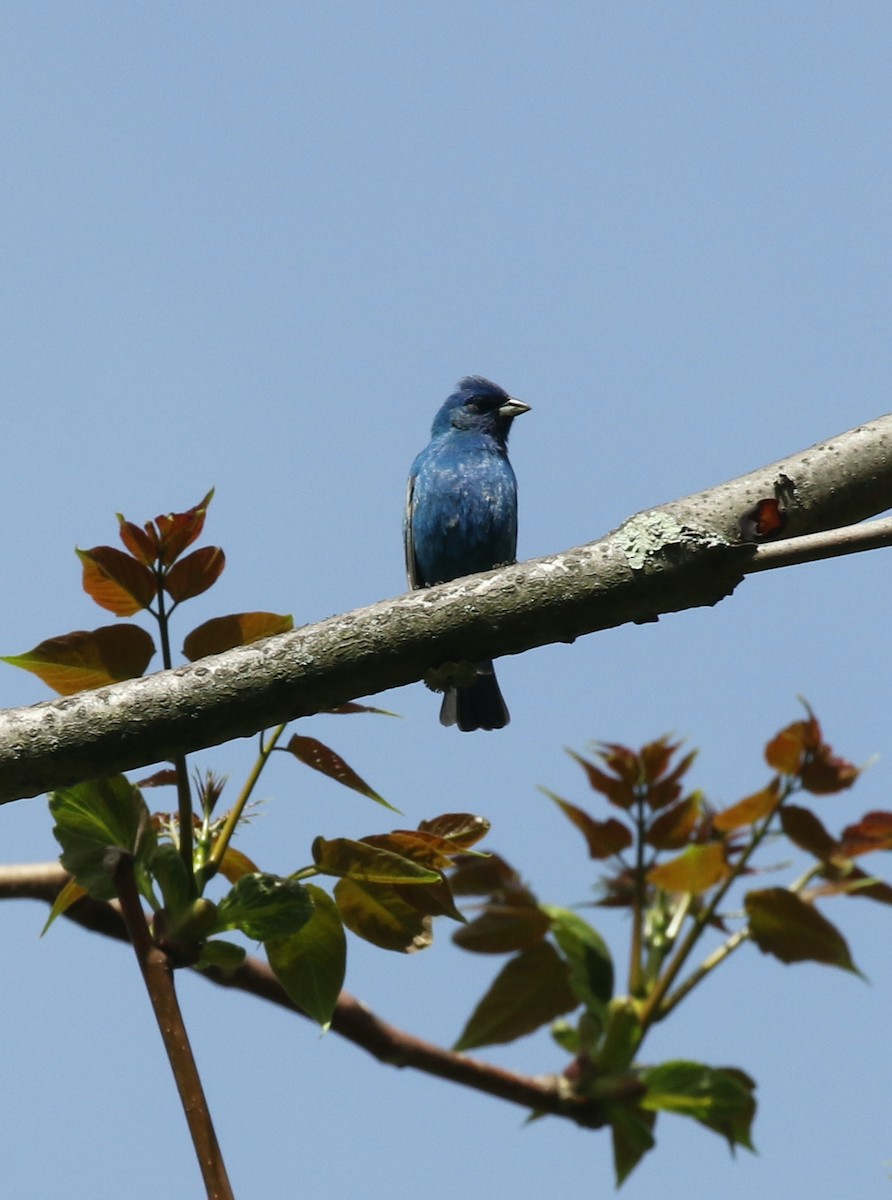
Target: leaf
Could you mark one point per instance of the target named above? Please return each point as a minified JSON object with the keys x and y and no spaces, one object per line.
{"x":719,"y":1098}
{"x":783,"y":924}
{"x":315,"y":754}
{"x":235,"y":865}
{"x":361,"y":861}
{"x":68,"y":895}
{"x":591,"y":967}
{"x":380,"y":915}
{"x":824,"y":774}
{"x":116,"y":581}
{"x":618,"y":791}
{"x":807,"y":832}
{"x":352,"y":707}
{"x":311,"y":963}
{"x":604,"y":838}
{"x":238,"y":629}
{"x":177,"y":531}
{"x":695,"y":870}
{"x":169,"y":872}
{"x":195,"y":573}
{"x":749,"y":810}
{"x":632,"y":1131}
{"x":143,"y":543}
{"x":265,"y":906}
{"x":91,"y":817}
{"x":225,"y":956}
{"x":674,"y":826}
{"x":79,"y":661}
{"x":476,"y":876}
{"x":531,"y":989}
{"x":460,"y":830}
{"x":872,"y":832}
{"x":502,"y":928}
{"x":786,"y":752}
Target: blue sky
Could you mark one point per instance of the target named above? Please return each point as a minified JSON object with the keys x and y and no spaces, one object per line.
{"x":254,"y":246}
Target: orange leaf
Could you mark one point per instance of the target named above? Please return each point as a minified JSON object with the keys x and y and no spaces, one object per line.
{"x":82,"y":660}
{"x":238,"y":629}
{"x":235,"y":865}
{"x":749,"y":810}
{"x":116,"y":581}
{"x":695,"y":870}
{"x":195,"y":573}
{"x":786,"y":752}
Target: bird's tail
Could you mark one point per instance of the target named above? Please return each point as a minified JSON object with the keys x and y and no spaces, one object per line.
{"x":479,"y":706}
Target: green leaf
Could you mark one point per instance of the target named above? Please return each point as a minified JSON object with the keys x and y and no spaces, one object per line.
{"x":92,"y":816}
{"x":310,"y":964}
{"x":225,"y":956}
{"x":632,"y":1131}
{"x":169,"y":871}
{"x":721,"y":1098}
{"x":531,"y":990}
{"x":380,"y":915}
{"x":783,"y":924}
{"x":358,"y":860}
{"x":591,"y":967}
{"x":69,"y":894}
{"x":265,"y":906}
{"x":313,"y":753}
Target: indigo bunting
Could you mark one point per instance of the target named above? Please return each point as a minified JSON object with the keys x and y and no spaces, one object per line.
{"x":461,"y":517}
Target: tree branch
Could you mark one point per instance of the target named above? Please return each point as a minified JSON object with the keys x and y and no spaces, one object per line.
{"x":351,"y":1020}
{"x":681,"y":555}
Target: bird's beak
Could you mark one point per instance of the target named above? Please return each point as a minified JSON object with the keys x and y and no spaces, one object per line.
{"x":513,"y":408}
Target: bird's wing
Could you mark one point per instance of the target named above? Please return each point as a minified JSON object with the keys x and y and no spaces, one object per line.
{"x":412,"y":571}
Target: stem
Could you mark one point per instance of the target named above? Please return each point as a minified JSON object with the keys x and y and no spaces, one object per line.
{"x":225,"y":836}
{"x":158,"y":978}
{"x":653,"y":1009}
{"x":709,"y":963}
{"x":636,"y":949}
{"x":184,"y":794}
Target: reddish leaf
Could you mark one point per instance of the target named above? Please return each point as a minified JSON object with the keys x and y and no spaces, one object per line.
{"x":238,"y":629}
{"x":79,"y":661}
{"x":749,"y":810}
{"x":532,"y":989}
{"x":655,"y":758}
{"x":409,"y":843}
{"x":872,"y":832}
{"x":674,"y":826}
{"x":195,"y":573}
{"x":321,"y":758}
{"x":617,"y":791}
{"x":381,"y":916}
{"x":666,"y":791}
{"x":473,"y":876}
{"x":143,"y":543}
{"x":806,"y":831}
{"x":177,"y":531}
{"x":695,"y":870}
{"x":824,"y":774}
{"x":604,"y":838}
{"x":786,"y":752}
{"x":116,"y":581}
{"x":783,"y":924}
{"x":167,"y":777}
{"x":460,"y":830}
{"x":503,"y":927}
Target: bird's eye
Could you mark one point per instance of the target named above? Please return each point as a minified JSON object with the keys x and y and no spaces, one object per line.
{"x":482,"y":404}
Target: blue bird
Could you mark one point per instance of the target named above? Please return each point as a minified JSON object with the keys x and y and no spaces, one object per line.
{"x":461,"y":518}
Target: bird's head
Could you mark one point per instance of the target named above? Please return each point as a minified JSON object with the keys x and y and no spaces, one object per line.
{"x":480,"y":406}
